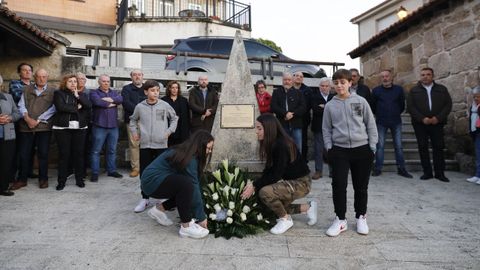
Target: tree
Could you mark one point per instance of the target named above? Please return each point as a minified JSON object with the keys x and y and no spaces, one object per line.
{"x":269,"y":43}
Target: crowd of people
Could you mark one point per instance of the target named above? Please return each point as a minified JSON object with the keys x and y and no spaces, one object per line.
{"x":170,"y":142}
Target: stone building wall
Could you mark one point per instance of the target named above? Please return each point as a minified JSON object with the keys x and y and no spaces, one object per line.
{"x":448,"y":42}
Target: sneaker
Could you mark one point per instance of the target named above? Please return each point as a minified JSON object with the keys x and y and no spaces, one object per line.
{"x":362,"y":227}
{"x":141,"y":206}
{"x":115,"y":175}
{"x":376,"y":172}
{"x":478,"y":182}
{"x":312,"y":213}
{"x":283,"y":224}
{"x":337,"y":227}
{"x":159,"y":216}
{"x":473,"y":179}
{"x":193,"y":230}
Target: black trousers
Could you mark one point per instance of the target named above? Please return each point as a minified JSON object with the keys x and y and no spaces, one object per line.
{"x":7,"y":158}
{"x":434,"y":133}
{"x":178,"y":189}
{"x":147,"y":155}
{"x":71,"y":144}
{"x":359,"y":161}
{"x":27,"y":142}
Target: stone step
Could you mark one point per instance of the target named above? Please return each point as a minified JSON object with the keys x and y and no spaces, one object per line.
{"x":407,"y":143}
{"x":389,"y":154}
{"x":414,"y":165}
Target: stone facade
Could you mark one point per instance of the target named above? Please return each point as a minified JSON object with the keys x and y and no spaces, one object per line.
{"x":448,"y":42}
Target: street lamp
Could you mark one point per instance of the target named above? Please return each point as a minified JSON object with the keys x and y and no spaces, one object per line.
{"x":402,"y":12}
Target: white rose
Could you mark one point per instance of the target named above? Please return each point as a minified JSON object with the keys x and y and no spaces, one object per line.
{"x":212,"y":216}
{"x":233,"y":191}
{"x":229,"y":213}
{"x":246,"y":209}
{"x":217,"y":207}
{"x":259,"y":217}
{"x":215,"y":196}
{"x":243,"y":216}
{"x":231,"y":205}
{"x":208,"y":206}
{"x":229,"y":220}
{"x":255,"y":204}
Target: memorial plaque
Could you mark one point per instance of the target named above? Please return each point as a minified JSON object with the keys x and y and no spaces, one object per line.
{"x":237,"y":116}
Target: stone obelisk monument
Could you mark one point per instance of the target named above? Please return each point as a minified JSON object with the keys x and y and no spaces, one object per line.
{"x":237,"y":110}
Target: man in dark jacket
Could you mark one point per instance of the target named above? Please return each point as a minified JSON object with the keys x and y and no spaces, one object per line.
{"x":429,"y":104}
{"x":319,"y":98}
{"x":388,"y":103}
{"x":307,"y":118}
{"x":289,"y":106}
{"x":133,"y":94}
{"x":359,"y":88}
{"x":203,"y":101}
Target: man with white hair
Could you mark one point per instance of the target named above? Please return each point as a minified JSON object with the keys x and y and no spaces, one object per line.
{"x":104,"y":127}
{"x":132,"y":95}
{"x":319,"y":98}
{"x":288,"y":104}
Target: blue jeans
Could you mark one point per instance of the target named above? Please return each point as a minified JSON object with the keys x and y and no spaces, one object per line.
{"x":109,"y":136}
{"x":397,"y":142}
{"x":318,"y":142}
{"x":477,"y":154}
{"x":296,"y":135}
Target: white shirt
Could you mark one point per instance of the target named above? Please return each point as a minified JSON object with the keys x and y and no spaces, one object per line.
{"x":429,"y":93}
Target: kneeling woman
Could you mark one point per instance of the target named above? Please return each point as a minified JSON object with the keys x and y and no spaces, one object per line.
{"x":175,"y":176}
{"x":285,"y":177}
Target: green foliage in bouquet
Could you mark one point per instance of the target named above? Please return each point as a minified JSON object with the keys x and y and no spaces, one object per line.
{"x":229,"y":215}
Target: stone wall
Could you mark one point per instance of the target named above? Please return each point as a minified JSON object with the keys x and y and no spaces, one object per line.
{"x":449,"y":43}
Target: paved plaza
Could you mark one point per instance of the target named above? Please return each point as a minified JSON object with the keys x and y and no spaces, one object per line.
{"x":413,"y":225}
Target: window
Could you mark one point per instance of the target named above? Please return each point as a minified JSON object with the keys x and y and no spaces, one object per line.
{"x":194,"y":6}
{"x":222,"y":46}
{"x":386,"y":21}
{"x":404,"y":59}
{"x":200,"y":46}
{"x":258,"y":50}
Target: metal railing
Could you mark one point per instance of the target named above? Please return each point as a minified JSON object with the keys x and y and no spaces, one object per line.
{"x":229,"y":12}
{"x":266,"y":63}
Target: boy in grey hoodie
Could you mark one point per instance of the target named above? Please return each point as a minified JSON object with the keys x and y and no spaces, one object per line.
{"x":151,"y":123}
{"x":350,"y":136}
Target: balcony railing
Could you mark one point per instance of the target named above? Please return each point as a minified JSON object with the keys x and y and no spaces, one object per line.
{"x":229,"y":12}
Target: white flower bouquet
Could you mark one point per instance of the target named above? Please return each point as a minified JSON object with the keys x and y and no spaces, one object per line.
{"x":228,"y":214}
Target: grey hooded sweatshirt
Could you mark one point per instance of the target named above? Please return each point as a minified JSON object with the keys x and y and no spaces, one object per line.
{"x":349,"y":123}
{"x":154,"y":122}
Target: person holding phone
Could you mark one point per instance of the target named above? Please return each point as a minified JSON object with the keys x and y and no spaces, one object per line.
{"x":70,"y":125}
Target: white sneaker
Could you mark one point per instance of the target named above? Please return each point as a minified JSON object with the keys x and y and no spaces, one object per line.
{"x":473,"y":179}
{"x":337,"y":227}
{"x":193,"y":230}
{"x":362,"y":227}
{"x":141,"y":206}
{"x":283,"y":224}
{"x":159,"y":216}
{"x":478,"y":182}
{"x":312,"y":213}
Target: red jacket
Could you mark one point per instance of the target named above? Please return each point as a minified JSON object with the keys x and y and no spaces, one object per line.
{"x":264,"y":102}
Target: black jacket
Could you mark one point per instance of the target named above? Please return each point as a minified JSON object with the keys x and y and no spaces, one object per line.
{"x":315,"y":101}
{"x":132,"y":95}
{"x":364,"y":91}
{"x":281,"y":167}
{"x":417,"y":103}
{"x":199,"y":106}
{"x":307,"y":94}
{"x":180,"y":105}
{"x":66,"y":106}
{"x":296,"y":104}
